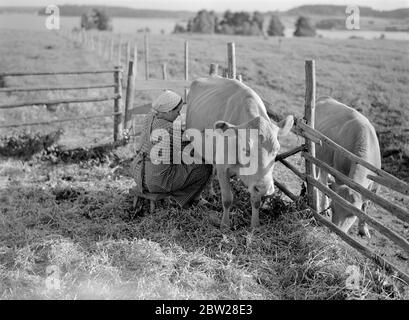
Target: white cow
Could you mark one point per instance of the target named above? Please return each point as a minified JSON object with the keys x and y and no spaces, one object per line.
{"x":353,"y":131}
{"x":223,"y":104}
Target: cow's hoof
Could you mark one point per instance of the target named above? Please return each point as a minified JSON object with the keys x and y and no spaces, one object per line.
{"x":214,"y":218}
{"x":255,"y":226}
{"x":225,"y":225}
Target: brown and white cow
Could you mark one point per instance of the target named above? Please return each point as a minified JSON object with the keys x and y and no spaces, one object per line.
{"x":227,"y":105}
{"x":353,"y":131}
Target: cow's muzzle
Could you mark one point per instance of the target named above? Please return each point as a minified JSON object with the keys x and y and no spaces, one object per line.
{"x":262,"y":189}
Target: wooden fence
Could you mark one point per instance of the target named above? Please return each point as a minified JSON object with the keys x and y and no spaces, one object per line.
{"x":305,"y":128}
{"x":116,"y":52}
{"x":106,"y":48}
{"x":116,"y":96}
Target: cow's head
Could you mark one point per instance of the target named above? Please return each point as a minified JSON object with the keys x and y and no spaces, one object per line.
{"x":341,"y":217}
{"x":254,"y":145}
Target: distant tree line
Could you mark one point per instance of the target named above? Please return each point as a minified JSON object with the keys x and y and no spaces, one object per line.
{"x":242,"y":23}
{"x":233,"y":23}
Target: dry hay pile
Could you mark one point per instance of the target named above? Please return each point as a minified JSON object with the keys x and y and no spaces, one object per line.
{"x":82,"y":220}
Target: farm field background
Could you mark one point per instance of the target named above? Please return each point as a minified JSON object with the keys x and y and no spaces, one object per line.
{"x":77,"y":215}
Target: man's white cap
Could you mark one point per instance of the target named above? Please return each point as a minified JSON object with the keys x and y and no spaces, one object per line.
{"x":167,"y":101}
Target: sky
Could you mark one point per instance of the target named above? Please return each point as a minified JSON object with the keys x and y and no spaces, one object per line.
{"x":217,"y":5}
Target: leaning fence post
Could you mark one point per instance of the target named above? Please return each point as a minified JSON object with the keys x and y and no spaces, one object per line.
{"x":135,"y":58}
{"x":309,"y":117}
{"x":146,"y":57}
{"x":117,"y":102}
{"x":231,"y":60}
{"x":128,"y":53}
{"x":213,"y":69}
{"x":129,"y":94}
{"x":186,"y":66}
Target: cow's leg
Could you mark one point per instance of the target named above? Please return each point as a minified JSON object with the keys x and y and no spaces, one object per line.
{"x":323,"y":199}
{"x":227,"y":196}
{"x":209,"y":187}
{"x":362,"y":226}
{"x":255,"y":205}
{"x":344,"y":222}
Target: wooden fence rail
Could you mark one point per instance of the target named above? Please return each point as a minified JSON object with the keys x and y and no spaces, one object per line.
{"x":396,"y":210}
{"x":387,"y":179}
{"x":53,"y":73}
{"x":57,"y":101}
{"x":59,"y":120}
{"x":58,"y":88}
{"x":378,"y":260}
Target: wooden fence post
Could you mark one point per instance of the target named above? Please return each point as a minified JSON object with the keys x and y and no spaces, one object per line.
{"x":99,"y":42}
{"x":309,"y":117}
{"x":213,"y":69}
{"x":231,"y":60}
{"x":111,"y":50}
{"x":186,"y":66}
{"x":92,"y":42}
{"x":164,"y":74}
{"x":130,"y":94}
{"x":146,"y":57}
{"x":135,"y":58}
{"x":128,"y":53}
{"x":118,"y":102}
{"x":120,"y":52}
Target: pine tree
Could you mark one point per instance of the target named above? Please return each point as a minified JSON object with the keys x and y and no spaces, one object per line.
{"x":303,"y":28}
{"x":275,"y":27}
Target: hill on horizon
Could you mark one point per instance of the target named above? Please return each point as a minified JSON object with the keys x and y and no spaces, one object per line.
{"x":78,"y":10}
{"x":324,"y":10}
{"x":337,"y":10}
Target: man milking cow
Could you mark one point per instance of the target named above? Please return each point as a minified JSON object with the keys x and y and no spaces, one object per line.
{"x":155,"y":169}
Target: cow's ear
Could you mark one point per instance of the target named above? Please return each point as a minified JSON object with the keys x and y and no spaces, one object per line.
{"x":228,"y":129}
{"x":253,"y":123}
{"x":285,"y":126}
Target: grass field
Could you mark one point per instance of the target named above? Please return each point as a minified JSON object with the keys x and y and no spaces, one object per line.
{"x":78,"y":215}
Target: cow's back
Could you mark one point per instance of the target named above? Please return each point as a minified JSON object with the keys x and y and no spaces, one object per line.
{"x":216,"y":98}
{"x":348,"y":128}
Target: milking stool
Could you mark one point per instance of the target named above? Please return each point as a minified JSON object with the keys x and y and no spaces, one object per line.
{"x":152,"y":197}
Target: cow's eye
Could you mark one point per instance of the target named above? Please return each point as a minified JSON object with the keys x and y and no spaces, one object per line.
{"x":247,"y":152}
